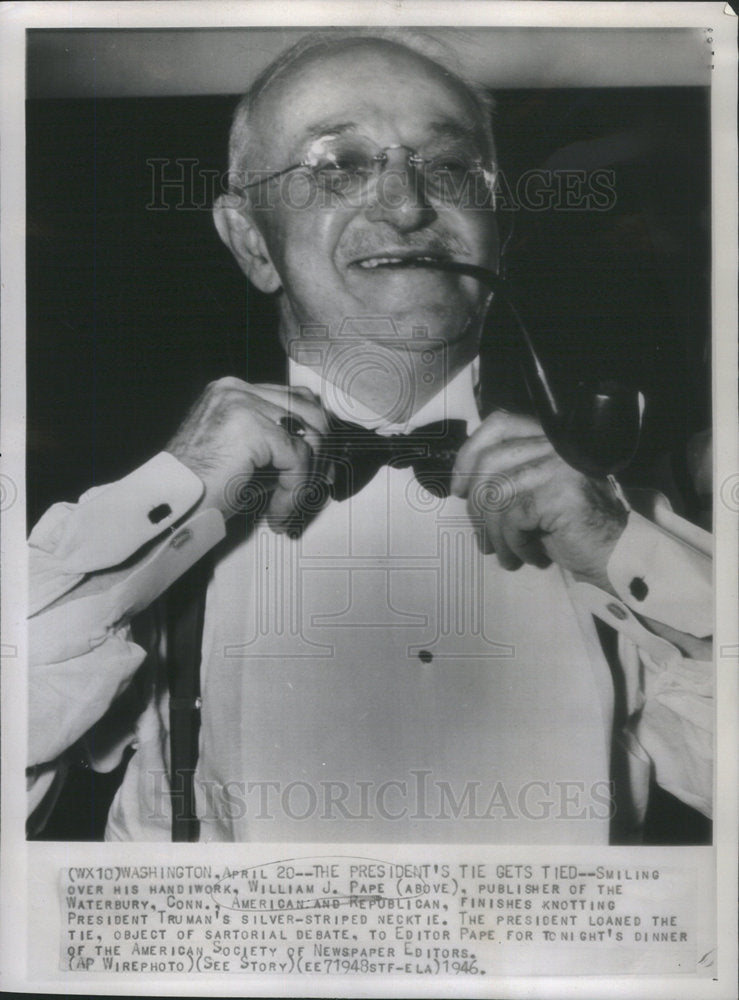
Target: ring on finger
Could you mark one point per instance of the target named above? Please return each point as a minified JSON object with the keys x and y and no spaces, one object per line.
{"x":293,"y":425}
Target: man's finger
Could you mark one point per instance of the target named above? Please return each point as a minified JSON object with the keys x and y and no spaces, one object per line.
{"x":302,"y":404}
{"x":491,"y":479}
{"x":506,"y":556}
{"x":526,"y":543}
{"x":510,"y":512}
{"x":274,"y":443}
{"x":274,"y":451}
{"x":297,"y":498}
{"x":503,"y":446}
{"x":289,"y":452}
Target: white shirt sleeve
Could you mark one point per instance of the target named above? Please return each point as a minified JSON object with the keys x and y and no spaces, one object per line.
{"x":81,"y":653}
{"x":662,"y":570}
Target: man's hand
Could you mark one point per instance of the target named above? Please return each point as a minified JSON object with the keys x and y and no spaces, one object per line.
{"x":535,"y":507}
{"x":234,"y":429}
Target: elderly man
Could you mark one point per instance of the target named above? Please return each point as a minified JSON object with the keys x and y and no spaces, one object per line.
{"x":370,"y":668}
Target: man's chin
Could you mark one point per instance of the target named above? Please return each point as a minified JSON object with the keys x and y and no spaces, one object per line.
{"x":399,"y":289}
{"x":412,"y":322}
{"x":421,"y":331}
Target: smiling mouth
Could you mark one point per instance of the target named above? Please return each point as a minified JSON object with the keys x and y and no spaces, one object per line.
{"x":392,"y":261}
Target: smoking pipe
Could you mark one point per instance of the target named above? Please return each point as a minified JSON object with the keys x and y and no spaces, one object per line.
{"x":598,"y":432}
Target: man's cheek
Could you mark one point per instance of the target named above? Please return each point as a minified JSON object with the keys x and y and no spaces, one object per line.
{"x":302,"y":241}
{"x":315,"y":291}
{"x":479,"y":231}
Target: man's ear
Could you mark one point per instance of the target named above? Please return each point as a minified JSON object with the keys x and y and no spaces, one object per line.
{"x":240,"y":234}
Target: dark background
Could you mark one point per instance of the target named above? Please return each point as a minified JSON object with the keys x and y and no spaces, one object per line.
{"x":131,"y":311}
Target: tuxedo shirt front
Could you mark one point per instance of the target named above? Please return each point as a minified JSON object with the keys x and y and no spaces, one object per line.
{"x":376,"y":678}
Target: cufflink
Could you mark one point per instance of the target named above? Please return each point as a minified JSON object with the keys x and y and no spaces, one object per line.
{"x":158,"y":513}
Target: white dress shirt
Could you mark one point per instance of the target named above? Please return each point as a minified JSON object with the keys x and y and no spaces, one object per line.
{"x":378,"y":678}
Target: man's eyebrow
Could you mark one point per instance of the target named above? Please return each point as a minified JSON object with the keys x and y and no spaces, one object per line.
{"x":440,"y":130}
{"x":454,"y":130}
{"x":321,"y":129}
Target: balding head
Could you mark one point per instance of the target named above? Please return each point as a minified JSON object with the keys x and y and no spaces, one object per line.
{"x":282,"y":75}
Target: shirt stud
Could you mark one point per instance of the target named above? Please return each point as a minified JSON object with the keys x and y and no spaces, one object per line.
{"x":638,"y":588}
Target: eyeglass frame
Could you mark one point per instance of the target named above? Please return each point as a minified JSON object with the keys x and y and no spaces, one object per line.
{"x":413,"y":159}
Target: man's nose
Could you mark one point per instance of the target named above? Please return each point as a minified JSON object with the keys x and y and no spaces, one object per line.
{"x":399,"y":199}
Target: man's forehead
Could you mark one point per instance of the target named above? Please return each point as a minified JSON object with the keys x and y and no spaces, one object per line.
{"x":370,"y":85}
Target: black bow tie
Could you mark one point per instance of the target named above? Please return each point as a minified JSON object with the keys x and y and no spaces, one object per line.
{"x":357,"y":454}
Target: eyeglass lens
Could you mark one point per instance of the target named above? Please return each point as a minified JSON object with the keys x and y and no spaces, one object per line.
{"x":347,"y":164}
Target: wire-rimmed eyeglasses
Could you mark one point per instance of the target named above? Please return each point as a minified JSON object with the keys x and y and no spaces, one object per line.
{"x":348,"y":165}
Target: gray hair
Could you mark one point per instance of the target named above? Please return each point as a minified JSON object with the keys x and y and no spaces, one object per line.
{"x":418,"y":42}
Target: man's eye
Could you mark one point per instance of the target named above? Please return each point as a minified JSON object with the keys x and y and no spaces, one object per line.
{"x":449,"y":165}
{"x":346,"y":163}
{"x":342,"y":173}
